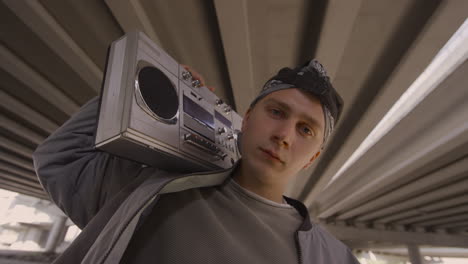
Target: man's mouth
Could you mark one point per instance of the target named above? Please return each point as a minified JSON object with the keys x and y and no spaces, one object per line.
{"x":272,"y":154}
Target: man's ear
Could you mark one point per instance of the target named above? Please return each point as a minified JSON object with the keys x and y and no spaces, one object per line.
{"x":246,"y":117}
{"x":312,"y":159}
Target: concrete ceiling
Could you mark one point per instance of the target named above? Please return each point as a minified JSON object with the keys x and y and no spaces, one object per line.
{"x":408,"y":187}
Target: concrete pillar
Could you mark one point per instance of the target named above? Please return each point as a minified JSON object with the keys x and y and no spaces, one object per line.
{"x":414,"y":254}
{"x":55,"y":234}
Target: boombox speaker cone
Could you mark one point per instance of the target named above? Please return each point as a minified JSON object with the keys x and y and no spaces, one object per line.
{"x":158,"y":92}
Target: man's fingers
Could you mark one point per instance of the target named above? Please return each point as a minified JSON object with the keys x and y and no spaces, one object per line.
{"x":195,"y":74}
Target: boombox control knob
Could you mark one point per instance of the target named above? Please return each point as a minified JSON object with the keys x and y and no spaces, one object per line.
{"x":219,"y":102}
{"x":221,"y":130}
{"x":196,"y":83}
{"x":227,"y":109}
{"x":230,"y":136}
{"x":186,"y":75}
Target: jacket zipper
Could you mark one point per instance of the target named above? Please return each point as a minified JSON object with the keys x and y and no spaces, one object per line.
{"x":298,"y":247}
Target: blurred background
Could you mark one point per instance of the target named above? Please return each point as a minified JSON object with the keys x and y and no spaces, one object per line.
{"x":393,"y":181}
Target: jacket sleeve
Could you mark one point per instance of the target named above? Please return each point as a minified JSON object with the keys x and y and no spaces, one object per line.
{"x":76,"y":176}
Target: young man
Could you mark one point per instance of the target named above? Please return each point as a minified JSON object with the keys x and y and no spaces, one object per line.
{"x":133,"y":214}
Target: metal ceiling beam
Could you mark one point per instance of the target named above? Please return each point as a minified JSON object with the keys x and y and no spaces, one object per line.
{"x":424,"y":209}
{"x":38,"y":19}
{"x":456,"y":226}
{"x":363,"y":234}
{"x":23,"y":163}
{"x":335,"y":33}
{"x":367,"y":68}
{"x":440,"y":177}
{"x":314,"y":13}
{"x":461,"y":228}
{"x":10,"y":63}
{"x":438,"y":194}
{"x":234,"y":28}
{"x":437,"y":214}
{"x":16,"y":170}
{"x":27,"y":183}
{"x":257,"y":43}
{"x":17,"y":129}
{"x":443,"y":222}
{"x":445,"y":20}
{"x":25,"y":112}
{"x":382,"y":168}
{"x":90,"y":23}
{"x":132,"y":16}
{"x":15,"y":147}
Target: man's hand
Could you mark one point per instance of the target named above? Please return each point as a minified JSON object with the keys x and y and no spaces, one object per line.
{"x":197,"y":76}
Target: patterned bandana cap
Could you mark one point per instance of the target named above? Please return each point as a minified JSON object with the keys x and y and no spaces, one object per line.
{"x":312,"y":78}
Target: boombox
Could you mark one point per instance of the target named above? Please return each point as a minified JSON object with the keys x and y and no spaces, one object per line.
{"x":152,"y":111}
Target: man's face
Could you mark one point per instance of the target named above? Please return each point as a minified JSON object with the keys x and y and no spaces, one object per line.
{"x":282,"y":134}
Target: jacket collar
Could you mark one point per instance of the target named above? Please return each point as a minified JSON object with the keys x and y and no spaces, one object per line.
{"x":302,"y":209}
{"x":199,"y":179}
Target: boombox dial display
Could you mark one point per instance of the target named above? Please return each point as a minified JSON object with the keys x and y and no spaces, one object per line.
{"x":154,"y":112}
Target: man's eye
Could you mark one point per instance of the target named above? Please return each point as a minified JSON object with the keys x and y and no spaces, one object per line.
{"x":307,"y":130}
{"x":276,"y":112}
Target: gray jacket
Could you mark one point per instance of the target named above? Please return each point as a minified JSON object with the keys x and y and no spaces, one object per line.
{"x":106,"y":195}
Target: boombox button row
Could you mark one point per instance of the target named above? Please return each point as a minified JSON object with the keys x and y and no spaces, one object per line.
{"x":221,"y":130}
{"x":201,"y":143}
{"x":196,"y":83}
{"x":186,"y":75}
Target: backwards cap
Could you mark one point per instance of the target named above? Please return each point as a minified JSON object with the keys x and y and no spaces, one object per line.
{"x":311,"y":78}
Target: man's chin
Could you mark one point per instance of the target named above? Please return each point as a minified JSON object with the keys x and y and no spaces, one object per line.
{"x":259,"y":166}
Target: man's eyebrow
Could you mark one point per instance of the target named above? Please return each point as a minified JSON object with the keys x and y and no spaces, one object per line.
{"x":308,"y":118}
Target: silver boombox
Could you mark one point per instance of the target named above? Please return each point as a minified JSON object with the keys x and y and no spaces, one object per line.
{"x":153,"y":112}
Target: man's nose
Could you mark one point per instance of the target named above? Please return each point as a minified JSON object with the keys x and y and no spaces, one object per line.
{"x":283,"y":134}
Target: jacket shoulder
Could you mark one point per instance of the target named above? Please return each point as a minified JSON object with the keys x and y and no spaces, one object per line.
{"x":337,"y":250}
